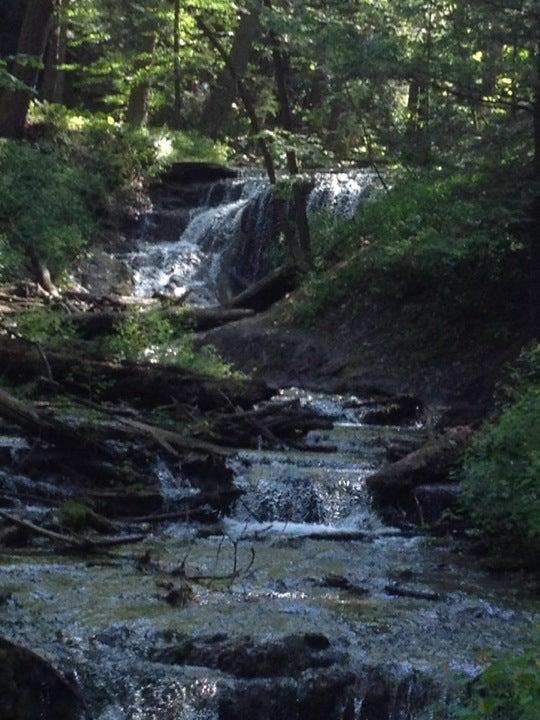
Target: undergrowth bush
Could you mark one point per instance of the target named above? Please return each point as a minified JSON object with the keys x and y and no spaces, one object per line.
{"x":45,"y":213}
{"x":501,"y":471}
{"x":151,"y":337}
{"x":508,"y":690}
{"x":446,"y":242}
{"x":45,"y":327}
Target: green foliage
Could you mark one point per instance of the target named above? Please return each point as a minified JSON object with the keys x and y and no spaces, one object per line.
{"x":45,"y":327}
{"x":508,"y":690}
{"x":501,"y":477}
{"x":45,"y":213}
{"x":442,"y":241}
{"x":151,"y":337}
{"x":139,"y":335}
{"x":116,"y":158}
{"x":191,"y":146}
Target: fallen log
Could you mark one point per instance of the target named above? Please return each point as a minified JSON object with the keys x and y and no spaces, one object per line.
{"x":49,"y":428}
{"x":269,"y":290}
{"x":72,"y":541}
{"x":145,"y":385}
{"x":431,"y":464}
{"x":96,"y":323}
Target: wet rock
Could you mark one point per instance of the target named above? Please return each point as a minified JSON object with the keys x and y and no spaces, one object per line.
{"x":339,"y":582}
{"x":102,"y":274}
{"x":434,"y":500}
{"x":395,"y":693}
{"x":430,"y":464}
{"x":247,"y":657}
{"x":185,"y":173}
{"x":316,"y":695}
{"x":397,"y":411}
{"x":32,"y":689}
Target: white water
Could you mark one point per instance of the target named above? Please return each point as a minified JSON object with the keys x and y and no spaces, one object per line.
{"x":227,"y":235}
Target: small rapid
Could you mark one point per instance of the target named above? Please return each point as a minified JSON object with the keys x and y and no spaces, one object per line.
{"x":301,"y":568}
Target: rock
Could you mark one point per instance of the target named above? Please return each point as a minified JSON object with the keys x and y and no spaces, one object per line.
{"x":247,"y":657}
{"x":396,"y":411}
{"x":185,"y":173}
{"x":430,"y":464}
{"x":395,"y":692}
{"x":434,"y":500}
{"x":316,"y":695}
{"x":102,"y":274}
{"x":32,"y":689}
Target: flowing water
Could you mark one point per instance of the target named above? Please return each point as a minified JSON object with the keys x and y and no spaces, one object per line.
{"x":302,"y":552}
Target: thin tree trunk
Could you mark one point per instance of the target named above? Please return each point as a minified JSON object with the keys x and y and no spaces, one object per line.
{"x":137,"y":109}
{"x":535,"y":234}
{"x":177,"y":78}
{"x":218,"y":106}
{"x":14,"y":104}
{"x":256,"y":131}
{"x":299,"y":191}
{"x":52,"y":88}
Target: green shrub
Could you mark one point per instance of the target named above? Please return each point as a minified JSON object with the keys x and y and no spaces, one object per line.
{"x":508,"y":690}
{"x":116,"y":157}
{"x":151,"y":337}
{"x":45,"y":216}
{"x":45,"y":327}
{"x":501,"y":478}
{"x":188,"y":145}
{"x":447,"y":241}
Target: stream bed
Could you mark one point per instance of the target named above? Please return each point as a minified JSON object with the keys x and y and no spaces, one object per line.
{"x":316,"y":609}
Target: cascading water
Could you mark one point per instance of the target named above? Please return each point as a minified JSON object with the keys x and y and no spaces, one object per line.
{"x":227,"y":234}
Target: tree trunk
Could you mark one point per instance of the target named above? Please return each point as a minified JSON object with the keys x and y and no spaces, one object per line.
{"x":218,"y":105}
{"x":32,"y":40}
{"x":137,"y":109}
{"x":302,"y":251}
{"x":177,"y":78}
{"x":52,"y":89}
{"x":535,"y":234}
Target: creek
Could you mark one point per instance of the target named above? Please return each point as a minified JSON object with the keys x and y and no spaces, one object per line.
{"x":306,"y":606}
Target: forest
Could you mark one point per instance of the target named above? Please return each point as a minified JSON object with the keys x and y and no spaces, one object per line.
{"x":269,"y":359}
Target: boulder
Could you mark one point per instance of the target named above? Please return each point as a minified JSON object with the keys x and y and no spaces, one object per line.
{"x":185,"y":173}
{"x":434,"y":500}
{"x":247,"y":657}
{"x":103,"y":274}
{"x":431,"y":464}
{"x":316,"y":695}
{"x":395,"y":411}
{"x":32,"y":689}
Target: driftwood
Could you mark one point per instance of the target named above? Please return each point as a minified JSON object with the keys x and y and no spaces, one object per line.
{"x":48,"y":428}
{"x":139,"y":384}
{"x":96,"y":323}
{"x":269,"y":290}
{"x":72,"y":541}
{"x":430,"y":464}
{"x":172,"y":442}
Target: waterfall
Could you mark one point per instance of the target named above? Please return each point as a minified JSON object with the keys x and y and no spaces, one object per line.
{"x":221,"y":237}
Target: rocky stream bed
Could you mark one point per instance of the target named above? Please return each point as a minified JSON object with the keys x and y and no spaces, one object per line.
{"x":293,"y":598}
